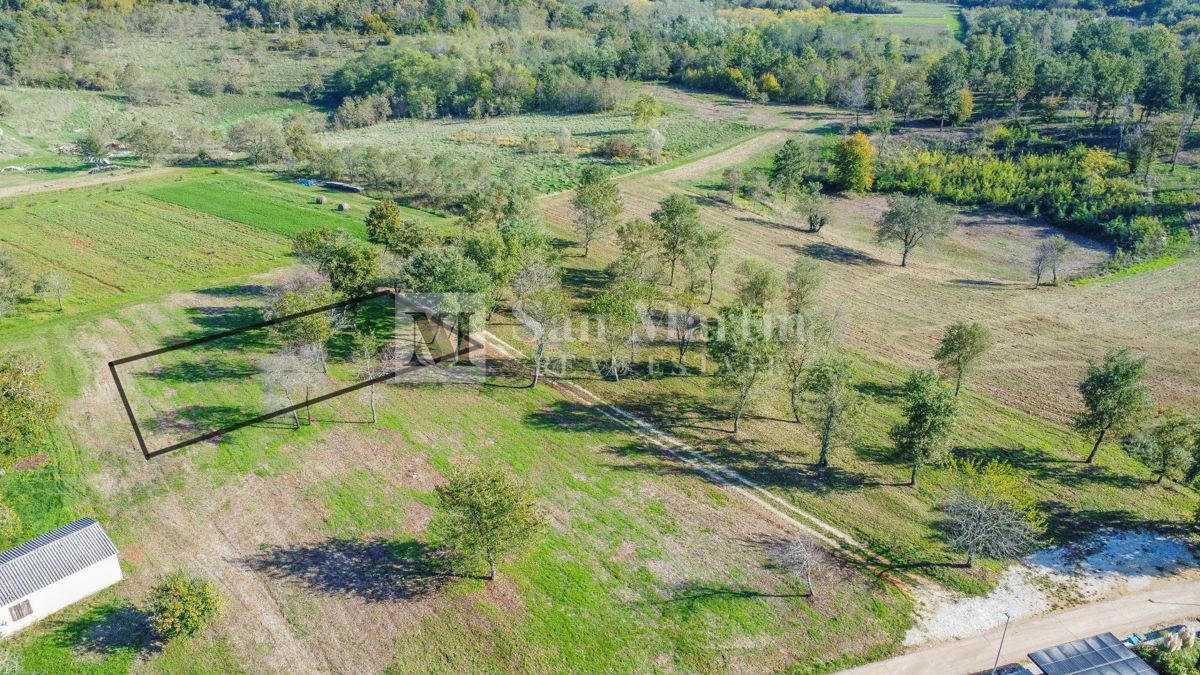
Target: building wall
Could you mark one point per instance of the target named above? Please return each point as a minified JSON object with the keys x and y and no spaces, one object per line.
{"x":62,"y":593}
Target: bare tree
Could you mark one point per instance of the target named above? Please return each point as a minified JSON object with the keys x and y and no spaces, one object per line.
{"x":293,"y":369}
{"x":684,"y":324}
{"x":800,"y":558}
{"x":980,"y":526}
{"x":369,"y":353}
{"x":53,"y":285}
{"x":1050,"y":256}
{"x":854,"y":97}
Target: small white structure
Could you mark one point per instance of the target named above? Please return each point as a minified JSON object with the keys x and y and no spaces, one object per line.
{"x":54,"y":570}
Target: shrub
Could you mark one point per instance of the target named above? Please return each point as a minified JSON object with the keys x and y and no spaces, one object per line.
{"x":854,"y":163}
{"x":183,"y":605}
{"x":616,"y":147}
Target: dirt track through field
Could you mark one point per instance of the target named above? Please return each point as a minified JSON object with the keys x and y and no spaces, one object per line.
{"x":84,"y":180}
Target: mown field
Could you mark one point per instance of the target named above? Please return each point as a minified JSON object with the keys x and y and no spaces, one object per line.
{"x":317,"y":537}
{"x":1016,"y":408}
{"x":135,"y":239}
{"x":924,"y":20}
{"x":526,"y":143}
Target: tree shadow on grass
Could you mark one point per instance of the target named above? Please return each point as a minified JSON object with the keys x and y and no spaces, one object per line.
{"x":678,"y":411}
{"x":236,"y":291}
{"x":374,"y":570}
{"x":112,"y":628}
{"x":1037,"y":464}
{"x":206,"y":370}
{"x":584,"y":282}
{"x":691,"y":598}
{"x":1065,"y":524}
{"x":572,"y":416}
{"x":838,"y":254}
{"x":880,"y":392}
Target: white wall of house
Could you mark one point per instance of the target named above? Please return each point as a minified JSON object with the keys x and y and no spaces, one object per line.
{"x":62,"y":593}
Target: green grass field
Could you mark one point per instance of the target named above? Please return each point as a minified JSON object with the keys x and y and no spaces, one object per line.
{"x":641,"y":568}
{"x":926,"y":20}
{"x":129,"y":240}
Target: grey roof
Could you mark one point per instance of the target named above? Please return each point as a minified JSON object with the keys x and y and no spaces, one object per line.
{"x":1097,"y":655}
{"x":52,"y":557}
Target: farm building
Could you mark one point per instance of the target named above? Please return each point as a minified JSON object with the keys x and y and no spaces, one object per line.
{"x":54,"y":570}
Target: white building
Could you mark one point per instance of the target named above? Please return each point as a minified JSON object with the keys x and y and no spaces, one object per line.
{"x":54,"y":570}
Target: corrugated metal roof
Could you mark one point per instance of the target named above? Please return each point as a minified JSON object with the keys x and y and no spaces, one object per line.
{"x":52,"y":557}
{"x":1099,"y":654}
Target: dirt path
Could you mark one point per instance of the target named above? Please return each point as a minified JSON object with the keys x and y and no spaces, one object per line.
{"x":1168,"y":604}
{"x":782,"y":510}
{"x":85,"y":180}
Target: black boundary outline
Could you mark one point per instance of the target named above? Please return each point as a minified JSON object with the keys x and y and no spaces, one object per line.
{"x":137,"y":431}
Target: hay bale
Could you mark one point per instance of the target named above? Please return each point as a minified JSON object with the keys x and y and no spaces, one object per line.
{"x":321,"y":199}
{"x":343,"y":206}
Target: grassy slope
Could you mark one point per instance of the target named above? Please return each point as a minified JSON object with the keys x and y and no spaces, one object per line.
{"x":641,"y":569}
{"x":863,"y":493}
{"x":129,"y":241}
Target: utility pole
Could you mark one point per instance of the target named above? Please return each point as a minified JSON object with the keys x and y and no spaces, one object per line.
{"x":996,"y":663}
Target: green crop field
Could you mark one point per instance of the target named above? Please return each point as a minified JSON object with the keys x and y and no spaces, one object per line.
{"x":128,"y":240}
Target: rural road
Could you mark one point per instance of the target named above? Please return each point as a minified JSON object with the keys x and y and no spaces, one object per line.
{"x":1168,"y":604}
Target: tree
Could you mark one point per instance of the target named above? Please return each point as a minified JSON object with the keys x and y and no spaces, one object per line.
{"x":991,"y":512}
{"x":743,"y":346}
{"x":801,"y":559}
{"x":12,"y":284}
{"x":465,"y":289}
{"x":946,"y":78}
{"x":678,"y":226}
{"x":912,"y":221}
{"x":1165,"y":447}
{"x":854,"y":163}
{"x":93,"y":145}
{"x":11,"y":526}
{"x":731,"y":180}
{"x":929,"y":412}
{"x":883,"y":122}
{"x":485,"y":515}
{"x":854,"y":97}
{"x":646,"y":111}
{"x":260,"y":138}
{"x":1050,"y":255}
{"x":544,"y":313}
{"x":803,"y":282}
{"x":1113,"y":396}
{"x":150,"y":142}
{"x":788,"y":167}
{"x":619,"y":312}
{"x":53,"y":285}
{"x":565,"y":141}
{"x":655,"y":142}
{"x":685,"y":324}
{"x":963,"y":345}
{"x":26,"y":407}
{"x":710,"y":249}
{"x":964,"y":107}
{"x":372,"y":358}
{"x":384,"y":222}
{"x":597,"y":204}
{"x":1018,"y":70}
{"x":833,"y":404}
{"x":182,"y":606}
{"x":757,"y":283}
{"x":292,"y":368}
{"x":641,"y":253}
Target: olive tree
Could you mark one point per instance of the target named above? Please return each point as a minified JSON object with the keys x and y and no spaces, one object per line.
{"x":53,"y":285}
{"x":1167,"y":447}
